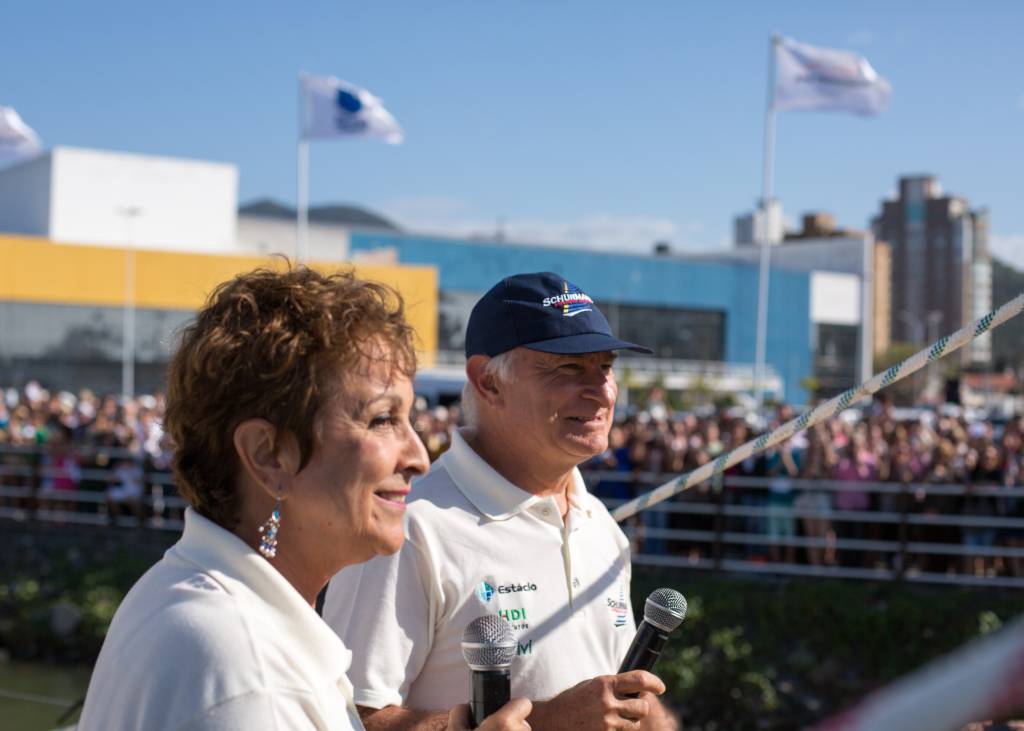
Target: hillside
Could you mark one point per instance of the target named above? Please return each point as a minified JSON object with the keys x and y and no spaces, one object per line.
{"x":1008,"y":338}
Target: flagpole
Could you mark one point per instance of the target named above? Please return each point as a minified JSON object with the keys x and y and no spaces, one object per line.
{"x":767,"y":174}
{"x":302,"y":176}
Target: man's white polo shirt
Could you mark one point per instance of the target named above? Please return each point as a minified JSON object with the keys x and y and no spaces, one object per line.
{"x":213,"y":637}
{"x":477,"y":544}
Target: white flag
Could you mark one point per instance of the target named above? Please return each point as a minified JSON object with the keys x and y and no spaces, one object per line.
{"x":18,"y":141}
{"x":335,"y":108}
{"x":807,"y":77}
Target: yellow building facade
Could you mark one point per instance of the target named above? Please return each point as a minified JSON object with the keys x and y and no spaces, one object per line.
{"x":62,"y":306}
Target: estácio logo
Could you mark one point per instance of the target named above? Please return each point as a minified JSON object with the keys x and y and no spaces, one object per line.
{"x":516,"y":588}
{"x":485,"y":591}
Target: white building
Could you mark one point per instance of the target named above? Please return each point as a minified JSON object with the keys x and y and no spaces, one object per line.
{"x":73,"y":195}
{"x":766,"y":223}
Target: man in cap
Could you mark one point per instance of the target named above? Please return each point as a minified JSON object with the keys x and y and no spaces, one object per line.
{"x":503,"y":524}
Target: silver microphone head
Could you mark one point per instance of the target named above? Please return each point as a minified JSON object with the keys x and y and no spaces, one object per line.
{"x":665,"y":609}
{"x":488,"y":643}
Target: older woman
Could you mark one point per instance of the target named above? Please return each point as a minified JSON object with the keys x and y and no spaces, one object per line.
{"x":288,"y":405}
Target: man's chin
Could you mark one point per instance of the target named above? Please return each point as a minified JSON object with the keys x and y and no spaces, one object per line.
{"x":583,"y":449}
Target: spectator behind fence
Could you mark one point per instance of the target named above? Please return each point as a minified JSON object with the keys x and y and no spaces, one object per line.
{"x":126,"y":486}
{"x":815,"y":505}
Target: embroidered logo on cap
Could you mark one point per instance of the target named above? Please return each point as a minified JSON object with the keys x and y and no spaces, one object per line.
{"x":572,"y":301}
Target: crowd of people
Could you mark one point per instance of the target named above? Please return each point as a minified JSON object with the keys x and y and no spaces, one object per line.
{"x":824,"y":484}
{"x":812,"y":494}
{"x":63,"y":442}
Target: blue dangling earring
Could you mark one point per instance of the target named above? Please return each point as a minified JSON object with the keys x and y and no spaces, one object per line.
{"x":268,"y":531}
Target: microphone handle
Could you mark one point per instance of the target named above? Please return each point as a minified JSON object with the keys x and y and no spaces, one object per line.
{"x":646,"y":648}
{"x":489,"y":690}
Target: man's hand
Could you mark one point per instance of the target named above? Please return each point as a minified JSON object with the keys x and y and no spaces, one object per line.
{"x":395,"y":718}
{"x":510,"y":717}
{"x":599,"y":703}
{"x":659,"y":717}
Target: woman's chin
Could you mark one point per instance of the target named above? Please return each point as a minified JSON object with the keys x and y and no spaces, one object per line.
{"x":386,"y":541}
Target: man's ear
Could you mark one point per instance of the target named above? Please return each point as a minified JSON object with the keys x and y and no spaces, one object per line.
{"x":266,"y":457}
{"x":486,"y":387}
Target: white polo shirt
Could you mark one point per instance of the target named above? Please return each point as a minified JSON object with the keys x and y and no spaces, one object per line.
{"x":213,"y":637}
{"x":477,"y":544}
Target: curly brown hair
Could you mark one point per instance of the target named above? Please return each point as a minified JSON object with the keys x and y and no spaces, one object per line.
{"x":266,"y":345}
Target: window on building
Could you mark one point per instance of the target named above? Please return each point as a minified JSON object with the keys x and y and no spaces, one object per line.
{"x":72,"y":347}
{"x":835,"y":358}
{"x":682,"y":334}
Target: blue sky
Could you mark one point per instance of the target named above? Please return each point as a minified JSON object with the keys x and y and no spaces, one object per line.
{"x":595,"y":121}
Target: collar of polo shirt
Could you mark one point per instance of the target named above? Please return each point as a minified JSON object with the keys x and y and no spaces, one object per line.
{"x":492,"y":494}
{"x":228,"y":559}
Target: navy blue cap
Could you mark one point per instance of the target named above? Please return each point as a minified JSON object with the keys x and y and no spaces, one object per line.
{"x":541,"y":311}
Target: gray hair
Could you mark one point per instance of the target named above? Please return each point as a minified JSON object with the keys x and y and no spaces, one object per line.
{"x":501,"y":368}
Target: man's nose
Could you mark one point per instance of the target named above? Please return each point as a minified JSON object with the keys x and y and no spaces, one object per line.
{"x":603,"y":389}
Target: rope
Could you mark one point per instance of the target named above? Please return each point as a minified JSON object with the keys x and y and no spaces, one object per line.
{"x":942,"y":346}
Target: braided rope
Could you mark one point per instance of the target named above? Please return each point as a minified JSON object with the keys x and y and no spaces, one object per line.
{"x":943,"y":346}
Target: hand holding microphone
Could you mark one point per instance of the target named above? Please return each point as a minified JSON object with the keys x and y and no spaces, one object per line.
{"x":510,"y":717}
{"x":618,"y":701}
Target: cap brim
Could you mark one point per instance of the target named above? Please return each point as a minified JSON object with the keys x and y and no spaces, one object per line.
{"x":585,"y":343}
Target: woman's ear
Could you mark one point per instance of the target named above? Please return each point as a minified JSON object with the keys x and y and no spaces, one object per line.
{"x":266,"y":458}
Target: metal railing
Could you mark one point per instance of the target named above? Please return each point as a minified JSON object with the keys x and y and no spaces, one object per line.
{"x":742,"y":524}
{"x":25,"y":495}
{"x":759,"y":525}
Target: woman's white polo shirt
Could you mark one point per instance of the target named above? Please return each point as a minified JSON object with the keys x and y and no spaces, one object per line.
{"x":213,"y":637}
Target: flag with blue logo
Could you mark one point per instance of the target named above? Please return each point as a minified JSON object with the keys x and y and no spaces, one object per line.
{"x":335,"y":108}
{"x":808,"y":77}
{"x":18,"y":141}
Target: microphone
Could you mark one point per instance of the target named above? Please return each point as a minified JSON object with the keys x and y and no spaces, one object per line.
{"x":489,"y":648}
{"x":664,"y":610}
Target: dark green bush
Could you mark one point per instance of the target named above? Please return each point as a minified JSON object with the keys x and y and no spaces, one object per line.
{"x":778,"y":654}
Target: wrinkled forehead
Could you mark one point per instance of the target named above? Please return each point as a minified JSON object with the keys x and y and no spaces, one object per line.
{"x":599,"y":358}
{"x":375,"y":374}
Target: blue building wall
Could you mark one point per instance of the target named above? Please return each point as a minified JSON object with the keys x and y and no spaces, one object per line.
{"x":647,"y":280}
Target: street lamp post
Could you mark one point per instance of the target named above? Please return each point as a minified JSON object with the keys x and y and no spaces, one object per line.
{"x":934,"y":321}
{"x":914,"y":325}
{"x":916,"y":328}
{"x":129,"y":214}
{"x":919,"y":331}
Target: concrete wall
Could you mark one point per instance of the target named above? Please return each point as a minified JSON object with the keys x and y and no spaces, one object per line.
{"x":835,"y":298}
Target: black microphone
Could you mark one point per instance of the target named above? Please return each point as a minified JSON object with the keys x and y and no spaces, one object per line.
{"x":489,"y":648}
{"x":664,"y":610}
